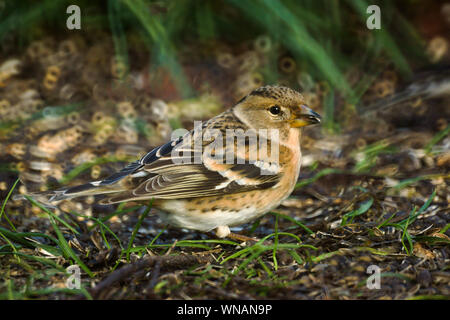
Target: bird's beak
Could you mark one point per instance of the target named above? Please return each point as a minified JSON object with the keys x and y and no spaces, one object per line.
{"x":304,"y":117}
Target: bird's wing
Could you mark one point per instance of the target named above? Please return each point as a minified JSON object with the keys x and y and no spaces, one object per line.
{"x":195,"y":166}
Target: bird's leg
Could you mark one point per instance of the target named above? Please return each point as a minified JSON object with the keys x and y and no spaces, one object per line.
{"x":224,"y":232}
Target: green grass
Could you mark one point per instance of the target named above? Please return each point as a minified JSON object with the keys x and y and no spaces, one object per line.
{"x":51,"y":214}
{"x":257,"y":250}
{"x":363,"y":208}
{"x":102,"y":226}
{"x":444,"y":229}
{"x":201,"y":244}
{"x":438,"y":137}
{"x":136,"y":229}
{"x":2,"y":210}
{"x":17,"y":241}
{"x":320,"y":174}
{"x":371,"y":153}
{"x":11,"y":291}
{"x":406,"y":239}
{"x":66,"y":250}
{"x":257,"y":262}
{"x":289,"y":218}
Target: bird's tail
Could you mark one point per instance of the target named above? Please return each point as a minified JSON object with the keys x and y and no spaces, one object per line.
{"x":48,"y":198}
{"x":113,"y":184}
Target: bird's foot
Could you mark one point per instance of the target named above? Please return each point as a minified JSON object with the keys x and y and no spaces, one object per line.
{"x":224,"y":232}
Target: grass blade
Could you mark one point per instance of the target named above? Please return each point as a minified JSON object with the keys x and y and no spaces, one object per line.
{"x":54,"y":216}
{"x":136,"y":228}
{"x":2,"y":211}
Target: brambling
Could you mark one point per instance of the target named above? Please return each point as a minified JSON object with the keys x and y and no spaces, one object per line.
{"x":230,"y":170}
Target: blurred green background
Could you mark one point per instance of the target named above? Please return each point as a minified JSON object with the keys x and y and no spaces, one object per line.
{"x":326,"y":39}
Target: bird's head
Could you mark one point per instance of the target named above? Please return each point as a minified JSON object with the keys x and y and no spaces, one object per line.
{"x":275,"y":107}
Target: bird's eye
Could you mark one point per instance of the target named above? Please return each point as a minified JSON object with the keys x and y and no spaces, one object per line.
{"x":275,"y":110}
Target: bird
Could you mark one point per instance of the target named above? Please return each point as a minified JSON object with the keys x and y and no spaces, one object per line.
{"x":225,"y":172}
